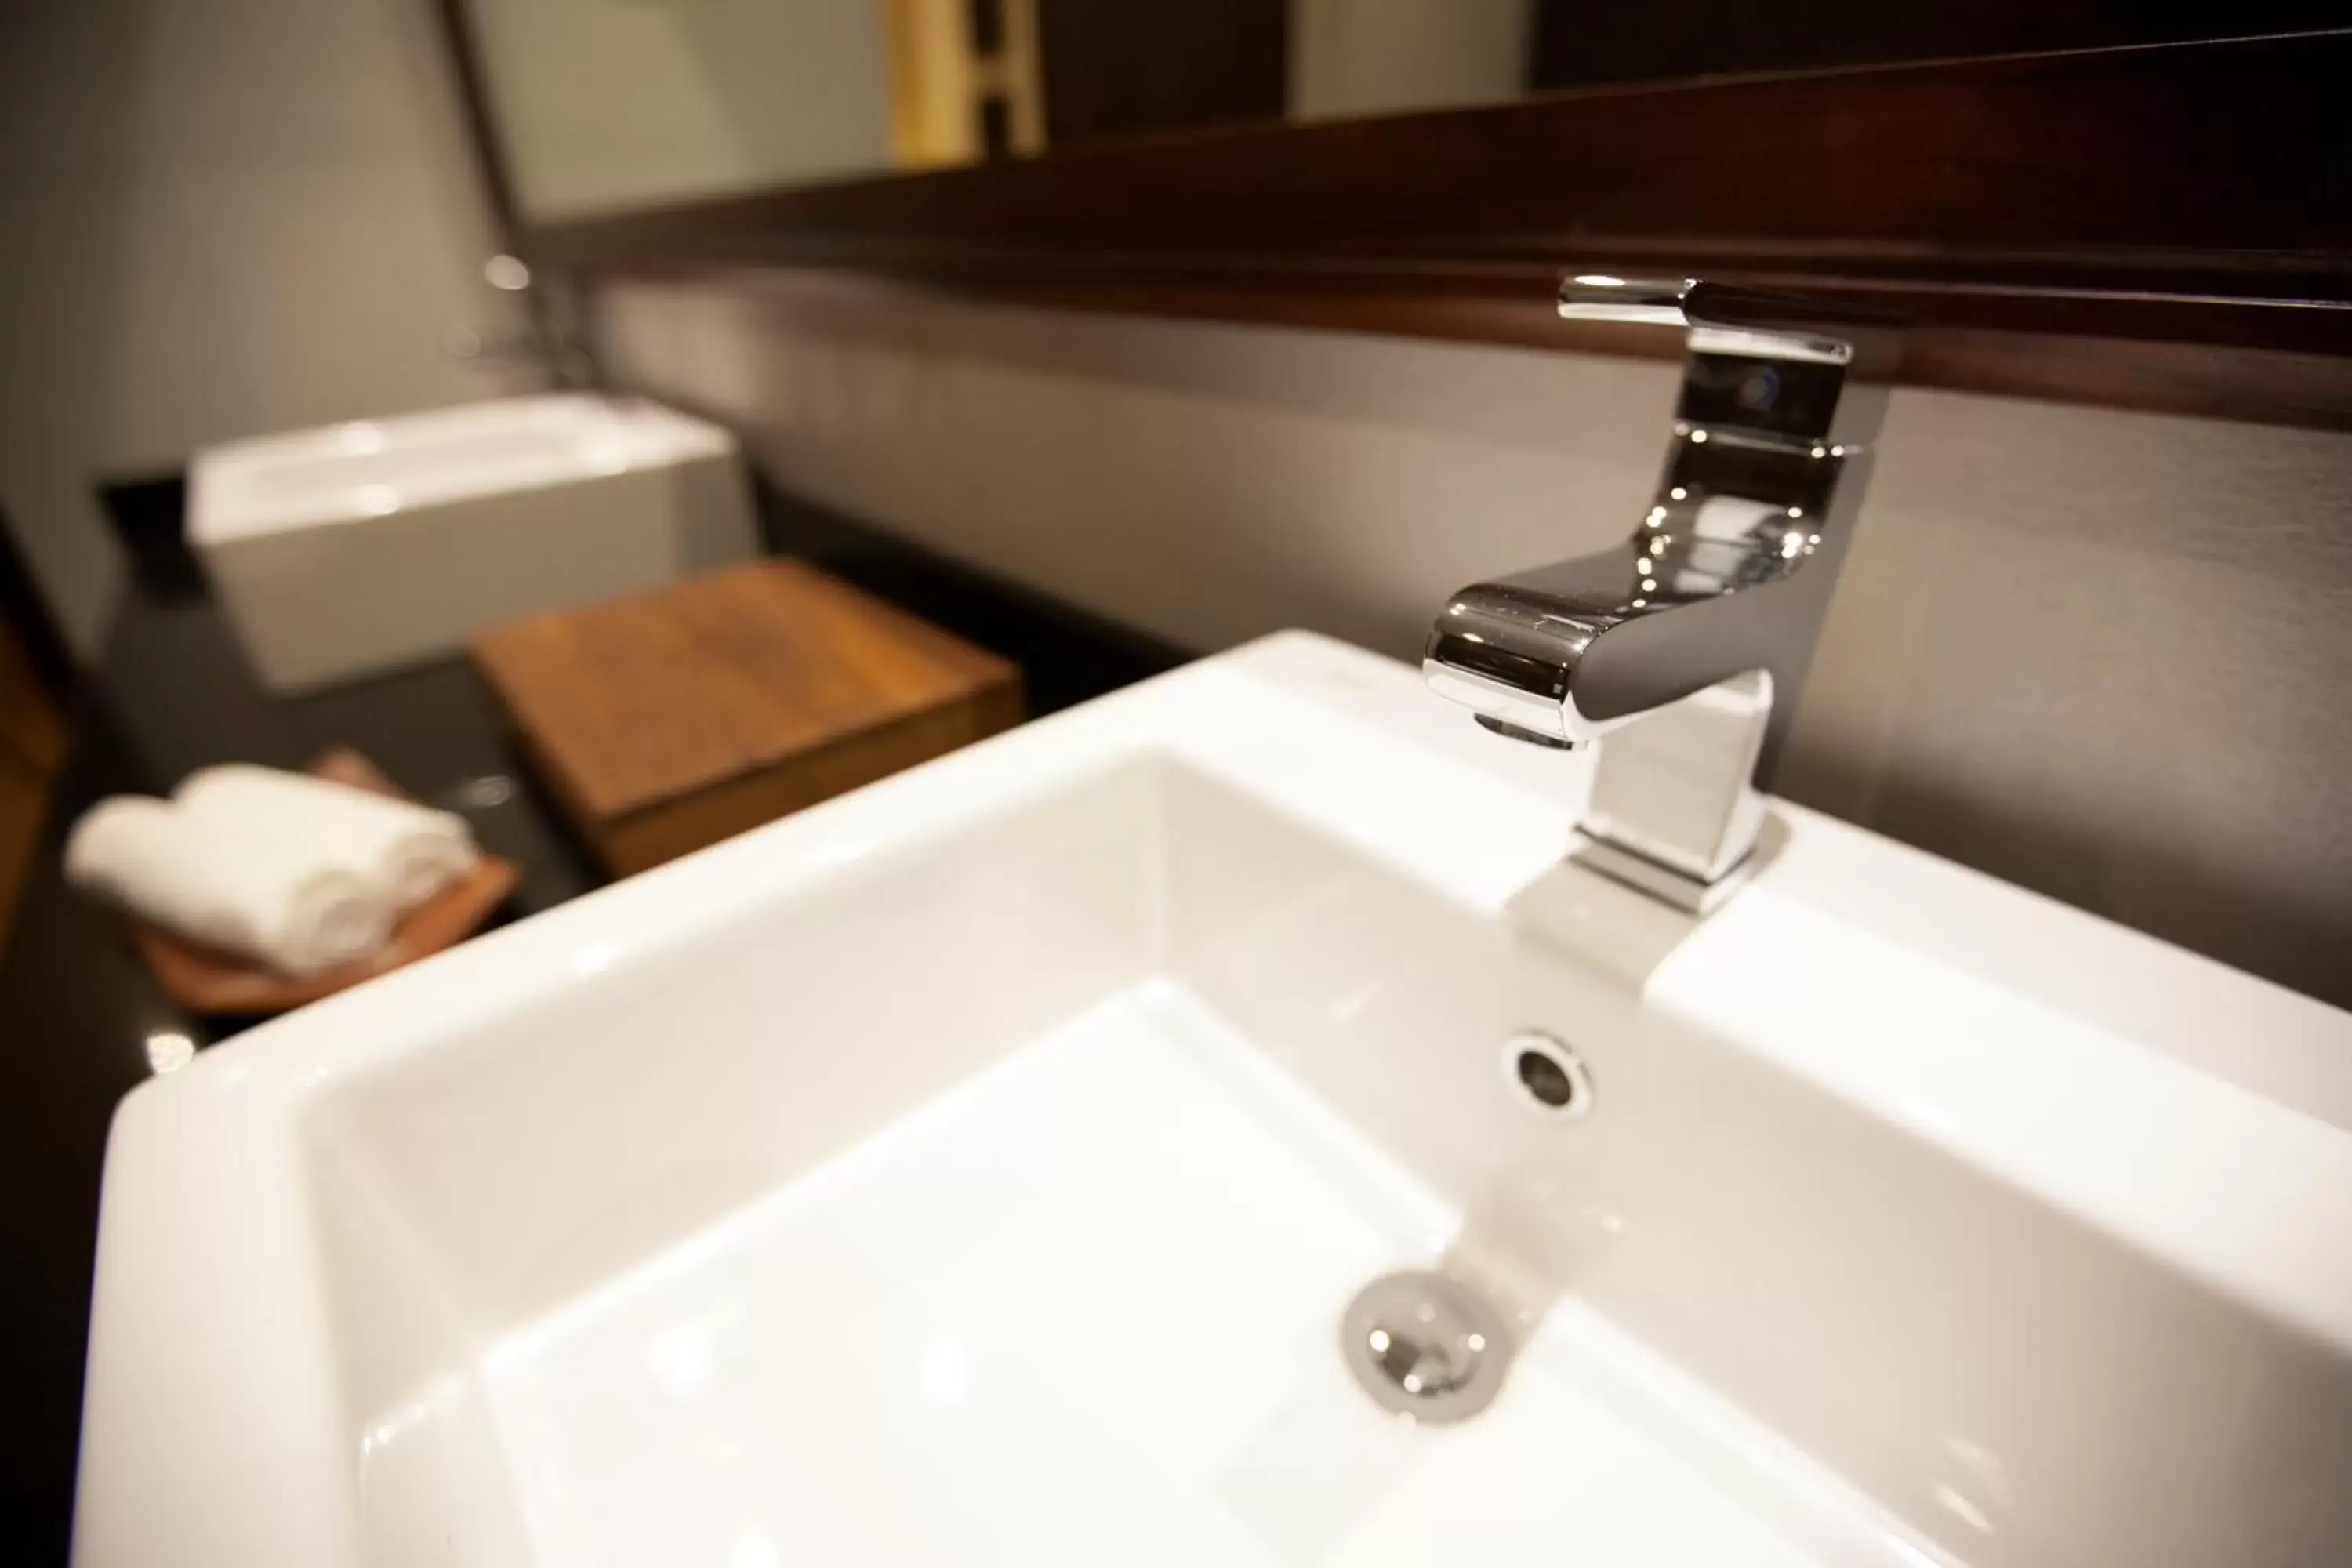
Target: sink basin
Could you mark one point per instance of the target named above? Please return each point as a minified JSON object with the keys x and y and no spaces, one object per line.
{"x":976,"y":1167}
{"x":360,"y":547}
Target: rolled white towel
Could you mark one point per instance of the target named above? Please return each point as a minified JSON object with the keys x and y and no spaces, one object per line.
{"x":406,"y":852}
{"x":252,"y":896}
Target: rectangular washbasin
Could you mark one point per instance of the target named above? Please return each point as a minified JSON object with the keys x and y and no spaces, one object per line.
{"x":975,"y":1168}
{"x":362,"y":547}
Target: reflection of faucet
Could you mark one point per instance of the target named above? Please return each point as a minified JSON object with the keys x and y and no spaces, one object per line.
{"x":550,"y":340}
{"x":558,"y":355}
{"x":1709,"y":611}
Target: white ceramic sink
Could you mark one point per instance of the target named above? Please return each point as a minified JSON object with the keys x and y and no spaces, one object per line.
{"x":973,"y":1169}
{"x":358,"y":548}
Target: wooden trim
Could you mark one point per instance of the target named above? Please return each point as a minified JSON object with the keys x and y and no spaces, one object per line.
{"x":2169,"y":194}
{"x":2207,"y":380}
{"x":2215,"y":379}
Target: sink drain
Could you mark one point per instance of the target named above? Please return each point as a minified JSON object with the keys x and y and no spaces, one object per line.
{"x":1425,"y":1345}
{"x":1552,"y":1076}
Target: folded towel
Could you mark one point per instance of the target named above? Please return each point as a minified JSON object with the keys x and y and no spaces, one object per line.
{"x":253,"y":897}
{"x":404,"y":852}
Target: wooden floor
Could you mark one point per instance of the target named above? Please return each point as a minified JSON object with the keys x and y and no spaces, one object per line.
{"x":32,"y":753}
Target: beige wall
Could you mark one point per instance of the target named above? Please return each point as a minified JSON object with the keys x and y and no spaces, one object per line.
{"x":2100,"y":654}
{"x":217,"y":218}
{"x":1385,"y":57}
{"x":604,"y":104}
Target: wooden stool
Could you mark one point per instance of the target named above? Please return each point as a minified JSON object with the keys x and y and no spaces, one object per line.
{"x":670,"y":720}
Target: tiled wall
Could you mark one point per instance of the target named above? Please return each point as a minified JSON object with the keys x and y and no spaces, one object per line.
{"x":2103,"y":655}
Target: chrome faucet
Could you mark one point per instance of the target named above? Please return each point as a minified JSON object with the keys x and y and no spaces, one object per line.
{"x":1686,"y":644}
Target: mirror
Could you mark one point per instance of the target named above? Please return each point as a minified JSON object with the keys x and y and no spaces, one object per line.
{"x":606,"y":106}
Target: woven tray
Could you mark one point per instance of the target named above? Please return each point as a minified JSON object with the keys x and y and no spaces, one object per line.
{"x":203,"y":980}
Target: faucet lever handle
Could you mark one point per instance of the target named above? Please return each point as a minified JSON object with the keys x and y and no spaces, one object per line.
{"x":1605,"y":297}
{"x":1730,"y":317}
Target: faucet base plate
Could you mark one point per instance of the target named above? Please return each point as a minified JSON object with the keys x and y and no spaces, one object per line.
{"x":1644,"y":875}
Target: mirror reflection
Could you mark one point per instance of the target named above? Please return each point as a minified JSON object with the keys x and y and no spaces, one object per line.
{"x":601,"y":106}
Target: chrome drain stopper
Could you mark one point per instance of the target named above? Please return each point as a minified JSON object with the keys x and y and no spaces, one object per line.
{"x":1425,"y":1345}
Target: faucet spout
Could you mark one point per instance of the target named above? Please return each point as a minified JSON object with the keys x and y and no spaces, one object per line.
{"x":1724,"y":574}
{"x":1726,"y":578}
